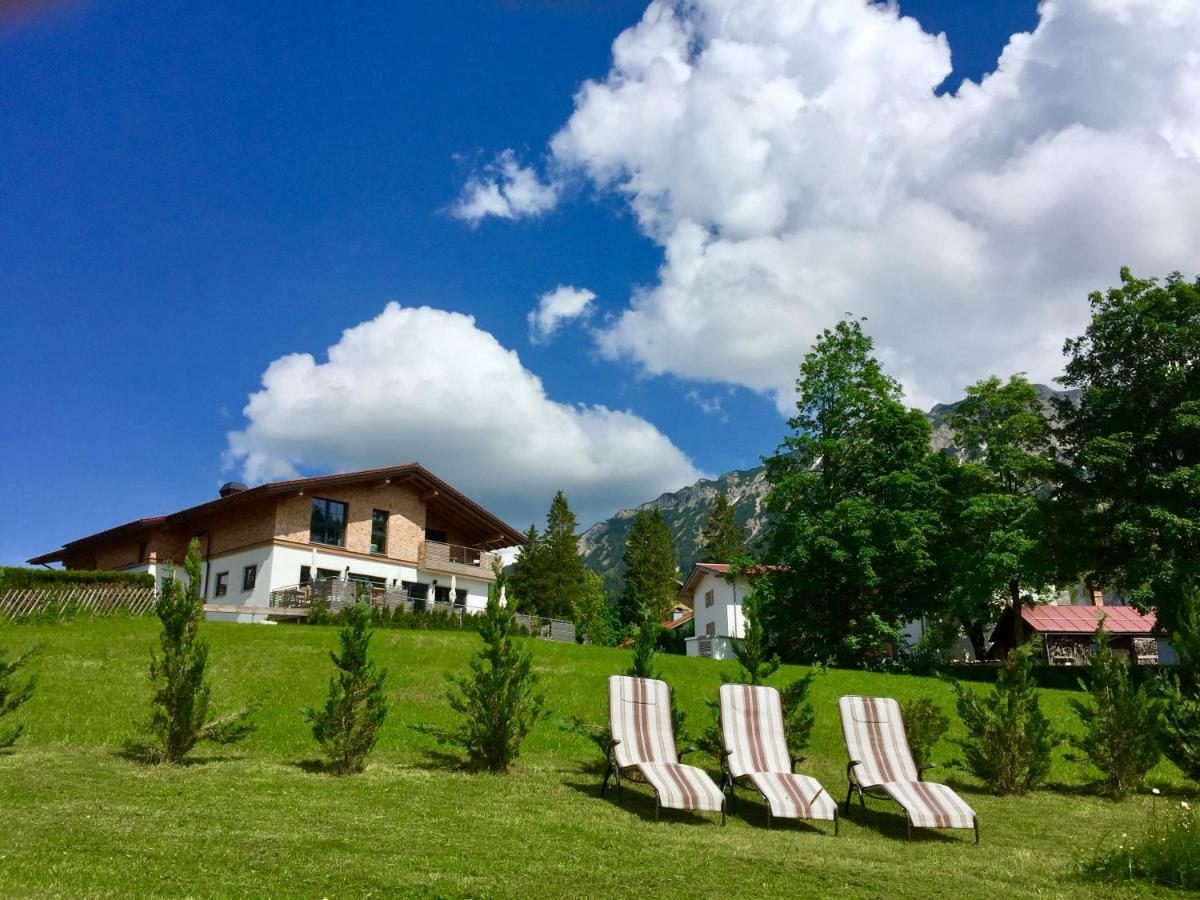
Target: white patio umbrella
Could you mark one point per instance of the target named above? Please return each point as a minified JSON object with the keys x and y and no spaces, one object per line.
{"x":503,"y":601}
{"x":453,"y":589}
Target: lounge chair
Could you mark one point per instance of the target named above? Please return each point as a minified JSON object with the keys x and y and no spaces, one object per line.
{"x":642,"y":748}
{"x":756,"y":755}
{"x":881,"y":765}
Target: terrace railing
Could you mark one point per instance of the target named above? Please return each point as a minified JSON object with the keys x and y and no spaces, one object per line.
{"x":455,"y":560}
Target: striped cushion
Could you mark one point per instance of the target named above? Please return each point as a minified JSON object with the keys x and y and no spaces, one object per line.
{"x":682,"y":787}
{"x":794,"y":796}
{"x":931,"y":805}
{"x":874,"y":732}
{"x":752,"y":725}
{"x":639,"y":714}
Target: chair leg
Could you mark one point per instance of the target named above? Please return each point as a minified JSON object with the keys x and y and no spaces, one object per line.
{"x":620,"y":798}
{"x":724,"y":803}
{"x":604,"y":785}
{"x":657,"y":805}
{"x":977,"y":829}
{"x":908,"y":825}
{"x":849,"y":797}
{"x":768,"y":816}
{"x":837,"y":824}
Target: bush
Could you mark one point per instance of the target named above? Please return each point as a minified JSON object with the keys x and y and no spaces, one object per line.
{"x":1181,"y":707}
{"x":1121,"y":722}
{"x":14,"y":578}
{"x":355,"y":709}
{"x":1009,"y":740}
{"x":497,"y":702}
{"x":181,"y":691}
{"x":925,"y":724}
{"x":13,"y":695}
{"x":1168,"y":852}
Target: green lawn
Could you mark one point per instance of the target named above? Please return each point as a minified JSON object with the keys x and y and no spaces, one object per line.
{"x":79,"y":819}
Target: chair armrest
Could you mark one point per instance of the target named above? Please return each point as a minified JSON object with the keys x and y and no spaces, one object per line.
{"x":686,"y":750}
{"x":923,"y":769}
{"x":798,"y":758}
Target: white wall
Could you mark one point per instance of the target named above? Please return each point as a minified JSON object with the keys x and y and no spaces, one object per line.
{"x":726,"y":611}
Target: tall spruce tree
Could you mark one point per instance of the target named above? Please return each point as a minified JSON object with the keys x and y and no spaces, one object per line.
{"x":1000,"y":545}
{"x":527,"y":580}
{"x":1133,"y":441}
{"x":562,"y":566}
{"x":650,"y":587}
{"x":856,"y":501}
{"x":178,"y":671}
{"x":721,"y":538}
{"x":356,"y":706}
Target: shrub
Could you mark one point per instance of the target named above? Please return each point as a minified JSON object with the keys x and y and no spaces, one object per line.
{"x":13,"y":578}
{"x":925,"y":725}
{"x":13,"y":695}
{"x":1121,"y":722}
{"x":181,"y":694}
{"x":497,"y":702}
{"x":355,"y":709}
{"x":1009,"y":740}
{"x":1168,"y":852}
{"x":1181,"y":707}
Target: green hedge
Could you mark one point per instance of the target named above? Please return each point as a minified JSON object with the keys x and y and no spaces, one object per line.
{"x":13,"y":578}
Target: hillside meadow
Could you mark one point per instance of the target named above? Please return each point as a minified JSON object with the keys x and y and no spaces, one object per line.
{"x":80,"y":819}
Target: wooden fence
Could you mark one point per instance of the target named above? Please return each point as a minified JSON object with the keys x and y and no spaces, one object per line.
{"x":64,"y":601}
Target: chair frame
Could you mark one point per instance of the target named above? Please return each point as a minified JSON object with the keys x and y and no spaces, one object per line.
{"x":728,"y":783}
{"x":863,"y":793}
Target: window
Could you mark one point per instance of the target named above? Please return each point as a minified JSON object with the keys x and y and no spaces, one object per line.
{"x":710,"y":629}
{"x":249,"y":575}
{"x":435,"y":535}
{"x":328,"y":525}
{"x":379,"y":520}
{"x":142,"y":547}
{"x":222,"y":587}
{"x":709,"y":599}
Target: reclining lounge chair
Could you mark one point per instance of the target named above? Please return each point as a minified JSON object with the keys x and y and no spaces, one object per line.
{"x":756,"y":755}
{"x":643,"y":748}
{"x":881,"y":765}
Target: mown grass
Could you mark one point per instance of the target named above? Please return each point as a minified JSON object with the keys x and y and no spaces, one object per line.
{"x":77,"y":818}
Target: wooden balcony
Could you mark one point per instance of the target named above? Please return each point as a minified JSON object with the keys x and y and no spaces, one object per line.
{"x":455,"y":560}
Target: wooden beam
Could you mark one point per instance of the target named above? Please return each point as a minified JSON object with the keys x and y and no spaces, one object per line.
{"x":429,"y":495}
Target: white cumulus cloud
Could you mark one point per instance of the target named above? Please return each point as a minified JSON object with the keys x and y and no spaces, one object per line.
{"x":556,"y":307}
{"x":505,"y":189}
{"x":426,"y":385}
{"x":793,"y":161}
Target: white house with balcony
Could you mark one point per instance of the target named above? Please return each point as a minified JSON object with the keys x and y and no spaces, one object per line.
{"x":399,"y":533}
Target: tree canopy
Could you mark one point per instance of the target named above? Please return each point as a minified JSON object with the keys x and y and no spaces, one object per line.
{"x":722,"y":538}
{"x":650,"y":587}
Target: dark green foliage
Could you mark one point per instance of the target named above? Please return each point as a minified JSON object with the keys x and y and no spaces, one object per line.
{"x":1121,"y":722}
{"x":348,"y":727}
{"x":595,"y":618}
{"x":13,"y":578}
{"x":650,"y":587}
{"x":1180,"y":690}
{"x":1134,"y":441}
{"x":548,"y":576}
{"x":497,"y":702}
{"x":645,"y":651}
{"x":857,"y":500}
{"x":1167,"y":852}
{"x":14,"y":694}
{"x":1009,"y":740}
{"x":798,"y":715}
{"x":925,"y":725}
{"x":722,"y":538}
{"x":181,"y":691}
{"x":1000,"y":541}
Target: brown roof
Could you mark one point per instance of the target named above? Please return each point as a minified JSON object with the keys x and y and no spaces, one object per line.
{"x":411,"y":471}
{"x":1052,"y":619}
{"x":722,"y":569}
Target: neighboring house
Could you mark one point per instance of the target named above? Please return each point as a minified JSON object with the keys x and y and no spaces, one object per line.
{"x":398,"y":527}
{"x":1068,"y":633}
{"x":717,"y":609}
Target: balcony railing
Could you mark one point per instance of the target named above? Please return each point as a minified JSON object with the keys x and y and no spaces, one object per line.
{"x":455,"y":560}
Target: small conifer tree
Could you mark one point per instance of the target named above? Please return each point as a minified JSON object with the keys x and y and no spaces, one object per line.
{"x":925,"y":725}
{"x":645,"y":650}
{"x":497,"y":702}
{"x":181,"y":692}
{"x":13,"y":695}
{"x":721,"y":538}
{"x":1009,"y":739}
{"x":1180,"y":690}
{"x":1121,"y":722}
{"x":348,"y":726}
{"x":751,"y":650}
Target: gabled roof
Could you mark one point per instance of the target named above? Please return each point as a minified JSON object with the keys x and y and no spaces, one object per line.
{"x":700,"y":569}
{"x":448,"y":498}
{"x":1051,"y":619}
{"x":673,"y":624}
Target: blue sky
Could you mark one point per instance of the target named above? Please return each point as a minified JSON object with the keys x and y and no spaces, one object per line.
{"x":192,"y":191}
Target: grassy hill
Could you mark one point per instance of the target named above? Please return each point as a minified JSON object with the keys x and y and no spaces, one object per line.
{"x":79,"y":819}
